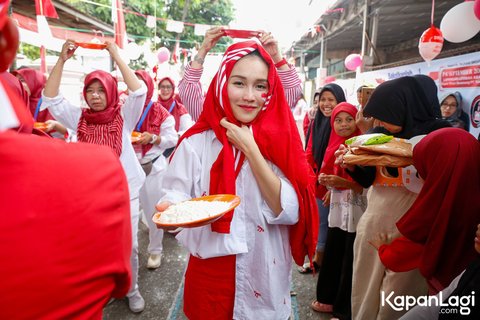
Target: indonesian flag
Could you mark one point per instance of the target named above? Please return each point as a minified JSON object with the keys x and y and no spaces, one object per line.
{"x":45,"y":8}
{"x":119,"y":23}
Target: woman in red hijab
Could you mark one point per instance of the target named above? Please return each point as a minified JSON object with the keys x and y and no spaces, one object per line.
{"x":157,"y":128}
{"x":245,"y":143}
{"x":436,"y":228}
{"x":109,"y":123}
{"x":166,"y":97}
{"x":33,"y":82}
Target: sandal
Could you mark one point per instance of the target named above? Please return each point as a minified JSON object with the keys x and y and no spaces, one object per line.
{"x":305,"y":269}
{"x":321,"y":307}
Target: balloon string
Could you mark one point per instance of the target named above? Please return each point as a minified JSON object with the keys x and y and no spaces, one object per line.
{"x":433,"y":11}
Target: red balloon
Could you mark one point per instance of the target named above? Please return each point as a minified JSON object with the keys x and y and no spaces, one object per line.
{"x":330,"y":79}
{"x":8,"y":44}
{"x":431,"y":43}
{"x":476,"y":9}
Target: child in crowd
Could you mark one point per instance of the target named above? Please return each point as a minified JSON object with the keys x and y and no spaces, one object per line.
{"x":105,"y":122}
{"x":318,"y":137}
{"x":244,"y":143}
{"x":347,"y":204}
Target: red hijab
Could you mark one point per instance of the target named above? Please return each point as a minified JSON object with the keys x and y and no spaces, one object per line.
{"x":15,"y":112}
{"x":102,"y":127}
{"x":445,"y":214}
{"x":35,"y":81}
{"x":328,"y":164}
{"x":273,"y":124}
{"x":179,"y":109}
{"x":156,"y":115}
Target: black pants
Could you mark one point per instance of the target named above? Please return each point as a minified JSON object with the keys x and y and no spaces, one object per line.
{"x":334,"y":284}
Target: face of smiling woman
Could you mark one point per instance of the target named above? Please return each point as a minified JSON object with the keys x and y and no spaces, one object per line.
{"x":246,"y":86}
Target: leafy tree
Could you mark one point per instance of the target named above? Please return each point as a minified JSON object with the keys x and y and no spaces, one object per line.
{"x":210,"y":12}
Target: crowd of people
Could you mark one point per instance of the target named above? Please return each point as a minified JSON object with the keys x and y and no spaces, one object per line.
{"x":364,"y":232}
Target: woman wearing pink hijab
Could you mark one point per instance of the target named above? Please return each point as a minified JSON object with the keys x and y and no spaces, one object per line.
{"x":106,"y":122}
{"x":245,"y":142}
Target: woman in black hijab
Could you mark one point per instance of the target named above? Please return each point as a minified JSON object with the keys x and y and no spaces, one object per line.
{"x":409,"y":103}
{"x":317,"y":142}
{"x":404,"y":107}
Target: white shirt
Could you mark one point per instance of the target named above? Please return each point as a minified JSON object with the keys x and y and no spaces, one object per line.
{"x":168,"y":139}
{"x":258,"y":238}
{"x":69,"y":116}
{"x":346,"y":208}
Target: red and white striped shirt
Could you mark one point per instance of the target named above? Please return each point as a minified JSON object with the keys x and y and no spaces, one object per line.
{"x":190,"y":89}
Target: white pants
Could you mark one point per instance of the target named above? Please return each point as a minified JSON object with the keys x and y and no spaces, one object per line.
{"x":134,"y":216}
{"x":149,"y":196}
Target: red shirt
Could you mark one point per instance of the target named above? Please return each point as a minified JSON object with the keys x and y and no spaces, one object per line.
{"x":401,"y":255}
{"x":65,"y":235}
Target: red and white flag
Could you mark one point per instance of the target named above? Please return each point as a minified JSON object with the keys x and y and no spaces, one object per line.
{"x":45,"y":8}
{"x":119,"y":24}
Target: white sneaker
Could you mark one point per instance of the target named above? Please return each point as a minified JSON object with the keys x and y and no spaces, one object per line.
{"x":154,"y":261}
{"x":136,"y":303}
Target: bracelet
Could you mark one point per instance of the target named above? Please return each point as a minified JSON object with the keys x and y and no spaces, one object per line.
{"x":154,"y":138}
{"x":280,"y":63}
{"x":198,"y":59}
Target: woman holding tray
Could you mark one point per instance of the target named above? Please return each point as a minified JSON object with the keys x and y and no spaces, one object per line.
{"x":404,"y":107}
{"x":105,"y":122}
{"x":244,"y":143}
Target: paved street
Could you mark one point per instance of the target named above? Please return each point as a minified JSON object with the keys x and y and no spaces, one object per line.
{"x":163,"y":288}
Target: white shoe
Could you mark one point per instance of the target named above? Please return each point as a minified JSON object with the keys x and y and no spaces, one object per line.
{"x":154,"y":261}
{"x":136,"y":303}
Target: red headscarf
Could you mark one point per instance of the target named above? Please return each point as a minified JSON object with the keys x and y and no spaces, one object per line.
{"x":102,"y":127}
{"x":273,"y":124}
{"x":179,"y":109}
{"x":15,"y":114}
{"x":35,"y":81}
{"x":15,"y":84}
{"x":328,"y":164}
{"x":156,"y":115}
{"x":447,"y":210}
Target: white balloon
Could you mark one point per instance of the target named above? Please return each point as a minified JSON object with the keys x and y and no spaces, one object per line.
{"x":460,"y":24}
{"x":133,"y":51}
{"x":151,"y":59}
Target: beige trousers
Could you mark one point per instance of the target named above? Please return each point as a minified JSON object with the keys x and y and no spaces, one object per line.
{"x":370,"y":278}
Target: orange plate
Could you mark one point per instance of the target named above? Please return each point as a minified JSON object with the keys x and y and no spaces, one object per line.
{"x":40,"y":126}
{"x":232,"y":199}
{"x":235,"y":33}
{"x":136,"y":136}
{"x":91,"y":45}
